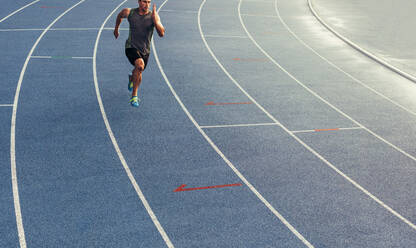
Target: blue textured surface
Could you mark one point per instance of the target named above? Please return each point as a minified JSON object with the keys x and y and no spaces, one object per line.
{"x":7,"y":218}
{"x":75,"y":192}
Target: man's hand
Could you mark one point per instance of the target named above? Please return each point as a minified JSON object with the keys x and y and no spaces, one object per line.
{"x":156,"y":20}
{"x":123,"y":14}
{"x":155,"y":15}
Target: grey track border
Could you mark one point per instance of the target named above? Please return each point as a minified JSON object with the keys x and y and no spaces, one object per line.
{"x":360,"y":49}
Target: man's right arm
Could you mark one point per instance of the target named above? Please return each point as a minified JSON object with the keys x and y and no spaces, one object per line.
{"x":123,"y":14}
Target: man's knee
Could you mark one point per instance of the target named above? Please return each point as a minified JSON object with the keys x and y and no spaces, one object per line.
{"x":139,"y":65}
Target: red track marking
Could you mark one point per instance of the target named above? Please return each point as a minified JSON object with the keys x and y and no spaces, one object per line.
{"x":182,"y":187}
{"x":331,"y":129}
{"x":224,"y":103}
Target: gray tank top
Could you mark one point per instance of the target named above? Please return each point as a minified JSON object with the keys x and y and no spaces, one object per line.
{"x":140,"y":32}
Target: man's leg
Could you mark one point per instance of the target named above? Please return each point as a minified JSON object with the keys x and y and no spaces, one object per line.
{"x":137,"y":75}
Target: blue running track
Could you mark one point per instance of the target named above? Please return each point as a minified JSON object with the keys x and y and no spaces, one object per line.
{"x":257,"y":127}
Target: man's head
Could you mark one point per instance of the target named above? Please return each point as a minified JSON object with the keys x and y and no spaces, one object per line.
{"x":144,"y":5}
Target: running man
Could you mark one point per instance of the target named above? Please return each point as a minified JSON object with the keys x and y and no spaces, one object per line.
{"x":142,"y":22}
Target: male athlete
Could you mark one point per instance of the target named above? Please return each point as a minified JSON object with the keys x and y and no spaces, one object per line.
{"x":142,"y":21}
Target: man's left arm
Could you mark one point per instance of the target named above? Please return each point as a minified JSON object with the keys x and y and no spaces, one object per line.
{"x":158,"y":24}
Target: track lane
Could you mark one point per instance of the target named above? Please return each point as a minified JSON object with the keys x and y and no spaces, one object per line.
{"x":89,"y":201}
{"x":19,"y":222}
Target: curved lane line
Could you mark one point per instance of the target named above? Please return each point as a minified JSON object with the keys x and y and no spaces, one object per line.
{"x":360,"y":49}
{"x":114,"y":140}
{"x":27,"y":5}
{"x":339,"y":111}
{"x":271,"y":208}
{"x":228,"y":162}
{"x":16,"y":199}
{"x":321,"y":98}
{"x":337,"y":67}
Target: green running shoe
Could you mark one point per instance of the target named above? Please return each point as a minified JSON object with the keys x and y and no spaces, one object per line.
{"x":134,"y":101}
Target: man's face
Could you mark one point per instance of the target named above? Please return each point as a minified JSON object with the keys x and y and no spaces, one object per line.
{"x":144,"y":4}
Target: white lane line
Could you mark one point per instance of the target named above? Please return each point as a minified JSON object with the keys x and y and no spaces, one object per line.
{"x":42,"y":29}
{"x":73,"y":29}
{"x":329,"y":129}
{"x":114,"y":140}
{"x":41,"y":57}
{"x":21,"y":29}
{"x":6,"y":105}
{"x":27,"y":5}
{"x":338,"y":68}
{"x":342,"y":113}
{"x":179,"y":11}
{"x":362,"y":50}
{"x":59,"y":57}
{"x":57,"y":29}
{"x":18,"y":212}
{"x":225,"y":36}
{"x":240,"y":125}
{"x":322,"y":99}
{"x":228,"y":162}
{"x":236,"y":171}
{"x":110,"y":28}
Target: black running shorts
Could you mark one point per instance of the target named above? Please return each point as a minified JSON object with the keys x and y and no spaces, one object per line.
{"x":133,"y":54}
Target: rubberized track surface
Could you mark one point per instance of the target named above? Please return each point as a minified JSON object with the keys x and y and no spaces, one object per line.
{"x":257,"y":128}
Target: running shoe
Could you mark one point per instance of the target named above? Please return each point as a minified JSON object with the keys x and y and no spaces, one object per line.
{"x":130,"y":86}
{"x":134,"y":101}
